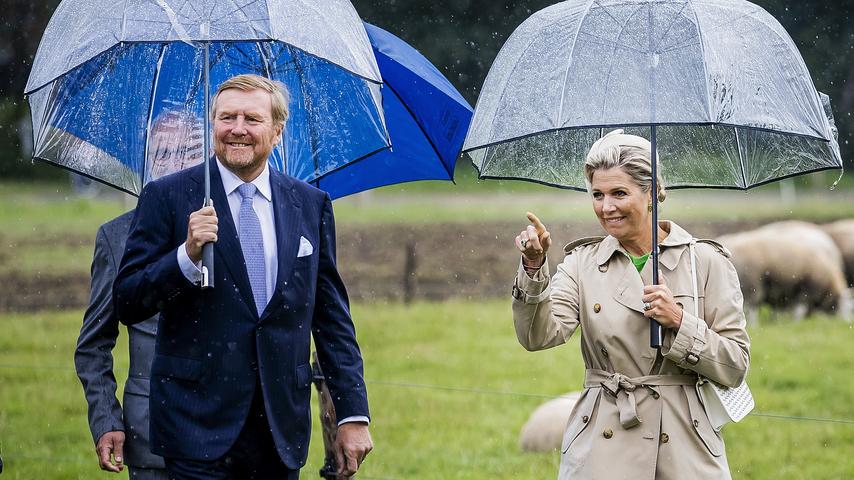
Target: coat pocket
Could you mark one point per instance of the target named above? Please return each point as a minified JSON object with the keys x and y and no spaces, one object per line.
{"x":701,"y":425}
{"x":177,"y":367}
{"x":580,"y":418}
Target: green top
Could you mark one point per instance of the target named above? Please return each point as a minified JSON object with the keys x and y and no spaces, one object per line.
{"x":639,"y":261}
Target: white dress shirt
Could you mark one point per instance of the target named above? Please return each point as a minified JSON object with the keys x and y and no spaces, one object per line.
{"x":263,"y":205}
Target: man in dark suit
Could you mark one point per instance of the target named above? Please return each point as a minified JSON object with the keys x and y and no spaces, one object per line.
{"x":230,"y":378}
{"x":120,"y":435}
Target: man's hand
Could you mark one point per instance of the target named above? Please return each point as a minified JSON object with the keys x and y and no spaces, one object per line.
{"x":109,"y":450}
{"x":201,"y":229}
{"x":534,"y":242}
{"x":352,"y":445}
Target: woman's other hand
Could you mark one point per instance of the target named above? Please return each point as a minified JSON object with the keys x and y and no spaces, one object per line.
{"x":534,"y":242}
{"x":659,"y":305}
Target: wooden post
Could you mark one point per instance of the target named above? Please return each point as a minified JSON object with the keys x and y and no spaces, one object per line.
{"x":409,"y":266}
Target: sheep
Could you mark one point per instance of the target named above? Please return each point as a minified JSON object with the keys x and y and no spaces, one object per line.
{"x":788,"y":268}
{"x":543,"y":432}
{"x":842,"y":232}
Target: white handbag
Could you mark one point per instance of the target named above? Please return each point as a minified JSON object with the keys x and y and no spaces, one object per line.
{"x":722,"y":404}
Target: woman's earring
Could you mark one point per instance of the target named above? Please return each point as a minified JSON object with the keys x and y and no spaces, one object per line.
{"x":649,"y":207}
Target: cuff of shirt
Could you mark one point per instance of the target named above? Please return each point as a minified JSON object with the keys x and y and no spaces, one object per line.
{"x":192,"y":271}
{"x":684,"y":346}
{"x":355,"y":418}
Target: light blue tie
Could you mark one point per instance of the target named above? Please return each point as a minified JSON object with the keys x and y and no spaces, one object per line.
{"x":252,"y":244}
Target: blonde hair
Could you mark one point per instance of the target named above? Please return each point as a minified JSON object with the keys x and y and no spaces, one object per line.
{"x":629,"y":153}
{"x":279,"y":96}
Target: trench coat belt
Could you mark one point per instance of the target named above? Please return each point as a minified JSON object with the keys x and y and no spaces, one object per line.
{"x":623,"y":388}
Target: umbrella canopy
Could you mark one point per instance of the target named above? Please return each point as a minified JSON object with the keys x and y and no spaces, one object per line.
{"x":427,"y":120}
{"x":732,"y":100}
{"x":114,"y":85}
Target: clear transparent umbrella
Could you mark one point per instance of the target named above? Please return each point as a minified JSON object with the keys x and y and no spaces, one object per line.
{"x":115,"y":85}
{"x":718,"y":87}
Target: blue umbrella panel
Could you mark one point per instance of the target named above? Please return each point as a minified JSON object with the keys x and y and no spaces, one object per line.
{"x":135,"y":112}
{"x":426,"y":116}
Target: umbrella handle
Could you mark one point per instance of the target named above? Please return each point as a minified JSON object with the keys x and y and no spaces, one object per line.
{"x":207,"y":266}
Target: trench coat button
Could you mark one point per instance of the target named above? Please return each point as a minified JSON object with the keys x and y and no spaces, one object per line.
{"x":604,"y":352}
{"x":696,"y":423}
{"x":597,"y":308}
{"x":603,"y":268}
{"x":608,"y":433}
{"x":665,"y":438}
{"x":585,"y":419}
{"x":655,"y":395}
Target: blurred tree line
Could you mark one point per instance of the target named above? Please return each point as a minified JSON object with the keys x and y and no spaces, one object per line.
{"x":461,"y":37}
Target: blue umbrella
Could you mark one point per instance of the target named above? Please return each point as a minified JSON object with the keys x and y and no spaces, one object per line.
{"x":426,"y":117}
{"x":112,"y":83}
{"x":113,"y":86}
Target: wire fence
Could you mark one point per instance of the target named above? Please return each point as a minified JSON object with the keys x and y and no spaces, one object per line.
{"x":479,"y":391}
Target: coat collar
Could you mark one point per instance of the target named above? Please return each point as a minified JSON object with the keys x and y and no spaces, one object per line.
{"x":669,"y":257}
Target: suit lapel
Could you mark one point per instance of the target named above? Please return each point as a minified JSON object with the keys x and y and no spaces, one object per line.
{"x":286,"y":210}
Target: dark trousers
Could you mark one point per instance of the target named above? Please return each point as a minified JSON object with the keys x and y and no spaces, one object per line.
{"x":252,"y":457}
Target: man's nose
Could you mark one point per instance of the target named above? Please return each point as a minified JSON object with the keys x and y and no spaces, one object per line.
{"x":239,"y":126}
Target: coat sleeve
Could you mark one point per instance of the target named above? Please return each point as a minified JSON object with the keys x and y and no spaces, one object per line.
{"x":333,"y":329}
{"x":93,"y":358}
{"x":715,"y":346}
{"x":149,"y":277}
{"x":545,"y":310}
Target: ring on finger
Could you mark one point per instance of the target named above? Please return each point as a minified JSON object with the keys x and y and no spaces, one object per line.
{"x":523,"y":242}
{"x":647,"y":306}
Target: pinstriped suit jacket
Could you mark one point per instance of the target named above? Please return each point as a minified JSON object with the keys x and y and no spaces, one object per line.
{"x":212,"y":345}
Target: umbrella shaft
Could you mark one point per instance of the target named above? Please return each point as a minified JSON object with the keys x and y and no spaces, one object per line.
{"x":654,"y":327}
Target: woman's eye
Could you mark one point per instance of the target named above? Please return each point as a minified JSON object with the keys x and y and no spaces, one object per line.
{"x":597,"y":195}
{"x":619,"y":193}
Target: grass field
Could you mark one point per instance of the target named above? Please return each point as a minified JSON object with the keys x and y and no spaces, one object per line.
{"x":449,"y":390}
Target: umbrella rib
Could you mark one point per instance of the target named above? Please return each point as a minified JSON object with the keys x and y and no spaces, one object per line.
{"x":705,"y":72}
{"x":420,"y":127}
{"x":740,"y":157}
{"x":154,"y":83}
{"x":238,"y":9}
{"x":611,"y":64}
{"x":610,"y":43}
{"x":616,"y":20}
{"x":669,"y":27}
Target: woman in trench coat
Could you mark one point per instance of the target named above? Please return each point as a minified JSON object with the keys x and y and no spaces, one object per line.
{"x":640,"y":416}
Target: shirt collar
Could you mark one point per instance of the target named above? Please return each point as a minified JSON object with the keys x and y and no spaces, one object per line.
{"x":669,"y":256}
{"x":230,"y":181}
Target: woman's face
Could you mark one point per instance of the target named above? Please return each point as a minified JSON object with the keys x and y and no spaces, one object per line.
{"x":620,"y":204}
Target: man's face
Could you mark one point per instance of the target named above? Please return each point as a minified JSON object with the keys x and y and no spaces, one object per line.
{"x":244,"y":133}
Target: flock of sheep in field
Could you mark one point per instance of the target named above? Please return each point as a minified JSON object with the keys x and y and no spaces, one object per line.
{"x":794,"y":267}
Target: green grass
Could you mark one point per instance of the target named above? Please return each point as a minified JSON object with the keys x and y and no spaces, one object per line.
{"x":468,"y":431}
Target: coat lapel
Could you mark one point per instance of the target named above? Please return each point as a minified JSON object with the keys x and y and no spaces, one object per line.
{"x":286,"y":212}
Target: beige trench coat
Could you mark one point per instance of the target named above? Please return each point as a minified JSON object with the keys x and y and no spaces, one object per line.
{"x":639,"y":416}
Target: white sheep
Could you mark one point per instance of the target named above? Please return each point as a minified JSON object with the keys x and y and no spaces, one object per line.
{"x":543,"y":432}
{"x":789,"y":269}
